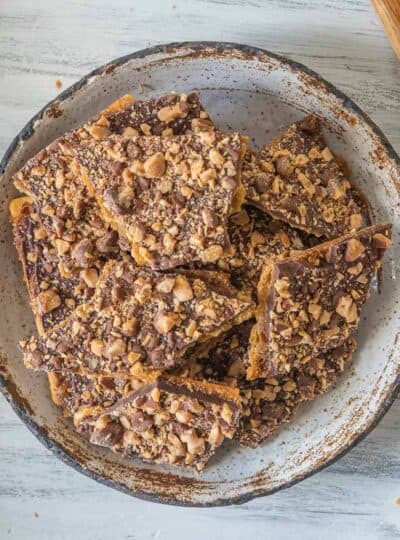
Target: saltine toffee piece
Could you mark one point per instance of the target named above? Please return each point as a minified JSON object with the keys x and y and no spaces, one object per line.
{"x":171,"y":421}
{"x":83,"y":396}
{"x":312,"y":302}
{"x":268,"y":403}
{"x":296,"y":178}
{"x":52,"y":296}
{"x":171,"y":114}
{"x":170,"y":197}
{"x":138,"y":319}
{"x":70,"y":215}
{"x":255,"y":239}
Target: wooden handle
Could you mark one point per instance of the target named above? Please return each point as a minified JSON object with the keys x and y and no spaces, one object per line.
{"x":389,"y":13}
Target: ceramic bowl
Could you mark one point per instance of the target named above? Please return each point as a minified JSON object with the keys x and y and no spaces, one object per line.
{"x":257,"y":93}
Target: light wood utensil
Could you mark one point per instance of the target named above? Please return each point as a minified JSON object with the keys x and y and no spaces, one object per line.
{"x":389,"y":13}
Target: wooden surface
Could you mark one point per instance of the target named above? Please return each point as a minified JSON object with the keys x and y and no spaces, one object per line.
{"x":45,"y":40}
{"x":389,"y":13}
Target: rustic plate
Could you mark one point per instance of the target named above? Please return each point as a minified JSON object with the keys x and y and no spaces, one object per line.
{"x":256,"y":92}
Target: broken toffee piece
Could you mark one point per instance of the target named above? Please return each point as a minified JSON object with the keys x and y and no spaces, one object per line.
{"x":312,"y":302}
{"x":138,"y":318}
{"x":170,"y":197}
{"x":52,"y":296}
{"x":69,"y":214}
{"x":269,"y":403}
{"x":297,"y":179}
{"x":170,"y":421}
{"x":84,"y":396}
{"x":225,"y":361}
{"x":171,"y":114}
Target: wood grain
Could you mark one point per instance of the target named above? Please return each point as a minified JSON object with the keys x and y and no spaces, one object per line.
{"x":389,"y":12}
{"x":40,"y":42}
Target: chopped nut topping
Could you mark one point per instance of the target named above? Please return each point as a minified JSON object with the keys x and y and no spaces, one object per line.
{"x":283,"y":166}
{"x":99,"y":132}
{"x":354,"y":250}
{"x":164,"y":322}
{"x":48,"y":300}
{"x":97,"y":347}
{"x":326,"y":154}
{"x":90,"y":277}
{"x":182,"y":290}
{"x":130,"y":327}
{"x":116,"y":347}
{"x":212,"y":254}
{"x":130,"y":132}
{"x":62,"y":246}
{"x":154,"y":166}
{"x":381,"y":241}
{"x":347,"y":308}
{"x":166,"y":285}
{"x":216,"y":158}
{"x":169,"y":113}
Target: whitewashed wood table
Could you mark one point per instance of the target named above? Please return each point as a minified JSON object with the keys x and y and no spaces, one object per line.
{"x":49,"y":40}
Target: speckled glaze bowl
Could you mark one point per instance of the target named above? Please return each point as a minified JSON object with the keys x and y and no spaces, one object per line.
{"x":257,"y":93}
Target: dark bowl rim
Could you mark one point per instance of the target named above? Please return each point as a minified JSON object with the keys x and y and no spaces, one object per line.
{"x":28,"y":130}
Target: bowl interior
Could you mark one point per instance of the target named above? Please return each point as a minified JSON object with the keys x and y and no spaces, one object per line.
{"x":257,"y":94}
